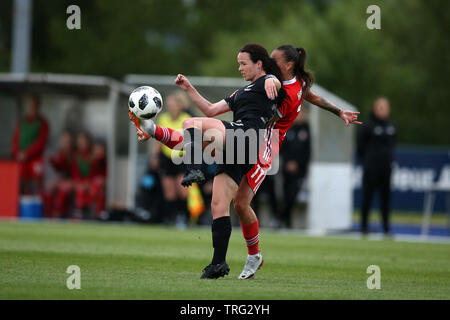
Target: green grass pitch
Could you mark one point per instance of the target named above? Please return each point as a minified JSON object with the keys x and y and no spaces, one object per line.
{"x":150,"y":262}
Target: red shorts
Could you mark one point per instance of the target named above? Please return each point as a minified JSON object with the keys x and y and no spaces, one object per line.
{"x":256,"y":175}
{"x":270,"y":149}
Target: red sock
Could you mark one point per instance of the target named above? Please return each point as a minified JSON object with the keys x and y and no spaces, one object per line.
{"x":251,"y":236}
{"x":168,"y":137}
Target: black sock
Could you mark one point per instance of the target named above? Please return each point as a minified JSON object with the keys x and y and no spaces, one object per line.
{"x":221,"y":232}
{"x":192,"y":147}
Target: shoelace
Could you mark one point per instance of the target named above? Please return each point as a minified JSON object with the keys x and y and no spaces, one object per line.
{"x":252,"y":263}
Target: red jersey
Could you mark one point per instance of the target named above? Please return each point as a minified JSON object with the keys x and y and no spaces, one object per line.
{"x":274,"y":135}
{"x":62,"y":163}
{"x":290,"y":107}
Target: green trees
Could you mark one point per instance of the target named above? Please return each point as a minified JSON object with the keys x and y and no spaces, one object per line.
{"x":407,"y":60}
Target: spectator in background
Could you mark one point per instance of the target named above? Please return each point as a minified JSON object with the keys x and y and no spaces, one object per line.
{"x":29,"y":141}
{"x":57,"y":191}
{"x":296,"y":154}
{"x":171,"y":174}
{"x":150,"y":203}
{"x":81,"y":172}
{"x":375,"y":148}
{"x":98,"y":179}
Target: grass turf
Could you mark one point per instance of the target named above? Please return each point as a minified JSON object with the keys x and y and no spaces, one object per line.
{"x":438,"y":219}
{"x":150,"y":262}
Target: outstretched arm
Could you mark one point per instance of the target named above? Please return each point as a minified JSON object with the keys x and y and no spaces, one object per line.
{"x":208,"y":108}
{"x":350,"y":117}
{"x":272,"y":85}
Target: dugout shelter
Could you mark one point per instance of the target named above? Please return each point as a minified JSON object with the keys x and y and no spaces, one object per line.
{"x":95,"y":104}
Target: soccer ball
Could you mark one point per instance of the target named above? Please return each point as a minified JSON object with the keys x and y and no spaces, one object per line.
{"x":145,"y":102}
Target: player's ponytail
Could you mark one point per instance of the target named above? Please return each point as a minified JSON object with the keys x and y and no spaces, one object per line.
{"x":298,"y":56}
{"x":300,"y":67}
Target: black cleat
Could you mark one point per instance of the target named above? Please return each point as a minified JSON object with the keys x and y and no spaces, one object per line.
{"x":193,"y":175}
{"x":214,"y":271}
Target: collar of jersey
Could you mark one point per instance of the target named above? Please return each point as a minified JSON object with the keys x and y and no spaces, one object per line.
{"x":290,"y":81}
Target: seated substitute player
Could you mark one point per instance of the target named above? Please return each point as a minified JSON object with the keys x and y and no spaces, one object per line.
{"x":296,"y":80}
{"x":252,"y":108}
{"x":57,"y":191}
{"x":171,"y":174}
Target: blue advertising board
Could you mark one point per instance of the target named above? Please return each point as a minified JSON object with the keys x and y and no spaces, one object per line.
{"x":414,"y":171}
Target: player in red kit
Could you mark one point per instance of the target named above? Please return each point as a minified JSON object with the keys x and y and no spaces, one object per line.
{"x":297,"y":83}
{"x":276,"y":131}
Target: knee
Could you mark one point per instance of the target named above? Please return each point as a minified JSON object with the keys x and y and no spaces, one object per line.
{"x":187,"y":123}
{"x":218,"y":208}
{"x":240,"y":206}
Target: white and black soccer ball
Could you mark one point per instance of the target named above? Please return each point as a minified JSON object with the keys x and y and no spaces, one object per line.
{"x":145,"y":102}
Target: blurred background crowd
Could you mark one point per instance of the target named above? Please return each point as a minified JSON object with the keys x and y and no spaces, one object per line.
{"x":77,"y":188}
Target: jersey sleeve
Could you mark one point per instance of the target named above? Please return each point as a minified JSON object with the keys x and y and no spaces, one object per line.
{"x":230,"y":102}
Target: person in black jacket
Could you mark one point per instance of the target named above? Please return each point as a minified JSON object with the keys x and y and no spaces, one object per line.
{"x":296,"y":154}
{"x":375,"y":148}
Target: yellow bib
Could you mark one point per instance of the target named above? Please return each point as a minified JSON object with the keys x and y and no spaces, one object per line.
{"x":165,"y":120}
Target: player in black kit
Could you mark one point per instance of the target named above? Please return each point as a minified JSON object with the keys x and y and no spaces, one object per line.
{"x":252,"y":107}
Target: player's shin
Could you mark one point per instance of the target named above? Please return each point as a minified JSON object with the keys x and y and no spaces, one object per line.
{"x":221,"y":232}
{"x":251,"y":236}
{"x":193,"y":157}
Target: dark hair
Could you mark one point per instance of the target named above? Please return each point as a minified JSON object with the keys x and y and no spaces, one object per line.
{"x":258,"y":52}
{"x":298,"y":56}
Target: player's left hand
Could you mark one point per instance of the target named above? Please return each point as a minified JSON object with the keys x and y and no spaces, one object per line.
{"x":271,"y":88}
{"x":350,"y":117}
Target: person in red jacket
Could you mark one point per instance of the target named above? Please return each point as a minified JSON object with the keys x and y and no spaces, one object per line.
{"x":57,"y":190}
{"x":98,"y":178}
{"x":28,"y":145}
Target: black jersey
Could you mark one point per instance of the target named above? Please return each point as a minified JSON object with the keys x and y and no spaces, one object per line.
{"x":251,"y":102}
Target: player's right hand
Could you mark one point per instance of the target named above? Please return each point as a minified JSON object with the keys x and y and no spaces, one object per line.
{"x":182,"y":82}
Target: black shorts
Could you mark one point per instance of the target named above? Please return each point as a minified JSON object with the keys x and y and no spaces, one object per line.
{"x":246,"y":154}
{"x":168,"y":168}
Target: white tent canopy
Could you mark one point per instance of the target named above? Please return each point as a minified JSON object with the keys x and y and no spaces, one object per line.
{"x":89,"y":102}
